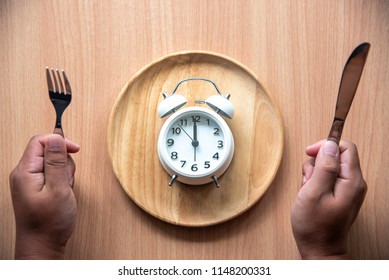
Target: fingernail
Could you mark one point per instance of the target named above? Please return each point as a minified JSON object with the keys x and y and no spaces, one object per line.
{"x":330,"y":148}
{"x":54,"y":144}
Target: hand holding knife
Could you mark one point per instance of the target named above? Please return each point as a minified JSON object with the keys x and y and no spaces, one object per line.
{"x":333,"y":187}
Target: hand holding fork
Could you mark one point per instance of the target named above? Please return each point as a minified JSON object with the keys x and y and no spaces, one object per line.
{"x":42,"y":183}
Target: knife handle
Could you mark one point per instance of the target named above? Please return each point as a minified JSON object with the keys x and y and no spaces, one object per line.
{"x":336,"y":131}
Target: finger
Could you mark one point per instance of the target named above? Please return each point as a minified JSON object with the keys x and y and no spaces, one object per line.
{"x":56,"y":162}
{"x":34,"y":152}
{"x":71,"y":170}
{"x":349,"y":155}
{"x":308,"y":167}
{"x":72,"y":147}
{"x":32,"y":158}
{"x":353,"y":185}
{"x":312,"y":150}
{"x":327,"y":167}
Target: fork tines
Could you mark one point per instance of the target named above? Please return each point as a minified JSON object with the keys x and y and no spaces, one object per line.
{"x":61,"y":87}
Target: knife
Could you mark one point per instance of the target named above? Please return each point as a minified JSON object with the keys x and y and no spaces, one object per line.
{"x":348,"y":86}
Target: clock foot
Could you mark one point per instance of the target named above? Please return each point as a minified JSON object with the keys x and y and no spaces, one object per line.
{"x":174,"y":177}
{"x":215,"y":181}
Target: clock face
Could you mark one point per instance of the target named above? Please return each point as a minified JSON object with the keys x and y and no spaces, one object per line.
{"x":195,"y":144}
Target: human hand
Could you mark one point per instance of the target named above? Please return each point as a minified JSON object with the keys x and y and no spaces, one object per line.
{"x":329,"y":200}
{"x":43,"y":199}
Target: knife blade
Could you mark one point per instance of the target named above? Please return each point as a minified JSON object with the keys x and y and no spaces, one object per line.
{"x":348,"y":86}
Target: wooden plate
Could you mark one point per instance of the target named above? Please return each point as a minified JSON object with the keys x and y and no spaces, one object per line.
{"x":134,"y":128}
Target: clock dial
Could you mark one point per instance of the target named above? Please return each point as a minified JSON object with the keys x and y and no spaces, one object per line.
{"x":195,"y":144}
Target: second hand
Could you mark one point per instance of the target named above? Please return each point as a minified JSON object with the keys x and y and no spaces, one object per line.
{"x":185,"y":132}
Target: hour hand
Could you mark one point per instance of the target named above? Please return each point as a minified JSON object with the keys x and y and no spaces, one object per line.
{"x":195,"y":142}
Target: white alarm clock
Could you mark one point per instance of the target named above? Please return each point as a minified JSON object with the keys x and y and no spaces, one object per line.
{"x":195,"y":144}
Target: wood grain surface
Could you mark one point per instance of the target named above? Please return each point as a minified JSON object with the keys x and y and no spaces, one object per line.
{"x":296,"y":48}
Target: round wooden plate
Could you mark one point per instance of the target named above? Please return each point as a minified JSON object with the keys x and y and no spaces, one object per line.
{"x":134,"y":128}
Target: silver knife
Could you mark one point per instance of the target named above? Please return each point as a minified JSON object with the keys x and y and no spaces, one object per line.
{"x":348,"y":86}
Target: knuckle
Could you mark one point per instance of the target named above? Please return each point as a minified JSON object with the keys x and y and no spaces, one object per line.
{"x":362,"y":185}
{"x":349,"y":146}
{"x":358,"y":188}
{"x":13,"y":176}
{"x":353,"y":148}
{"x":16,"y":178}
{"x":57,"y":161}
{"x":35,"y":138}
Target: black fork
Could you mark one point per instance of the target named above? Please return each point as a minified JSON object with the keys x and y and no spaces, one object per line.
{"x":60,"y":95}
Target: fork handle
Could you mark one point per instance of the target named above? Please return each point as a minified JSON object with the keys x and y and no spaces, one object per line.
{"x":58,"y":130}
{"x":58,"y":122}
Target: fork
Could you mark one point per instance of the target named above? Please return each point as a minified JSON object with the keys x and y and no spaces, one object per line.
{"x":60,"y":95}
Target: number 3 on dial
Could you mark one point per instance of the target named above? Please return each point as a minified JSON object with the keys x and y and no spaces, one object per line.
{"x":195,"y":145}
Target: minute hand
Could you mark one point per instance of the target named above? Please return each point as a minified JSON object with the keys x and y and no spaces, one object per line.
{"x":195,"y":142}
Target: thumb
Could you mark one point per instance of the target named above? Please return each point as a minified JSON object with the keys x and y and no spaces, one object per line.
{"x":327,"y":166}
{"x":55,"y":161}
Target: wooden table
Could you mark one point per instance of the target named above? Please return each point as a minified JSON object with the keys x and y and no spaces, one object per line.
{"x":296,"y":48}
